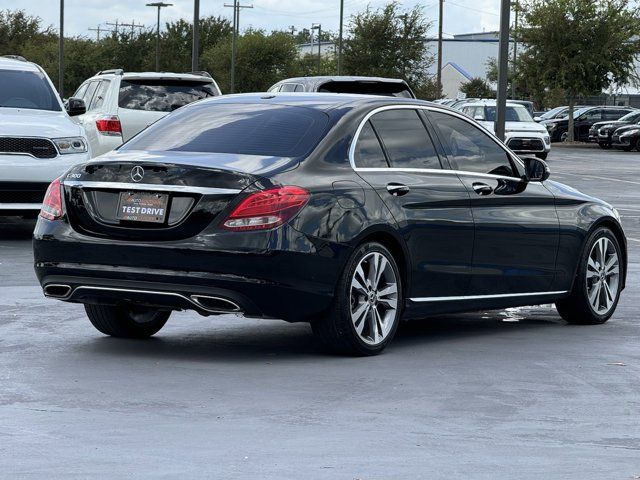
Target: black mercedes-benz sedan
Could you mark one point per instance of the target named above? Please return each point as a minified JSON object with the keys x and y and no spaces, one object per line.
{"x":348,"y":212}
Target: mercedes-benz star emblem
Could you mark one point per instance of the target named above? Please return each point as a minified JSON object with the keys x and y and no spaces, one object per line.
{"x":137,"y":173}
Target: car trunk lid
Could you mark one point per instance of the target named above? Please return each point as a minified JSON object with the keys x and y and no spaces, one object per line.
{"x":156,"y":196}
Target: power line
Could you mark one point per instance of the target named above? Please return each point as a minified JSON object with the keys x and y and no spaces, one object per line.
{"x":473,"y":9}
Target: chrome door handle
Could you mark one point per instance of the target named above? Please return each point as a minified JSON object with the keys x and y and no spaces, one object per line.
{"x":397,"y":189}
{"x":482,"y":188}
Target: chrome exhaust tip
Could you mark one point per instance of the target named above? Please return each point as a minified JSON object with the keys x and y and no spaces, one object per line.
{"x":215,"y":304}
{"x":55,"y":290}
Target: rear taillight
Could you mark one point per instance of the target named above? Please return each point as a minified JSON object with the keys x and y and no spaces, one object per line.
{"x":109,"y":125}
{"x":267,"y":209}
{"x":52,"y":204}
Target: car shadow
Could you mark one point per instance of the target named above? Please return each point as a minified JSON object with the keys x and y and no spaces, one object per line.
{"x":275,"y":341}
{"x":16,"y":228}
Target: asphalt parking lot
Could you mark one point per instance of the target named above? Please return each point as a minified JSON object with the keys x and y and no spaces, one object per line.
{"x":491,"y":395}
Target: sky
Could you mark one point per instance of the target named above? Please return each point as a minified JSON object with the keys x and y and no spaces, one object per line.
{"x":461,"y":16}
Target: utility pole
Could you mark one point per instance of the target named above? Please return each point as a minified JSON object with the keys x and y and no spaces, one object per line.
{"x":439,"y":72}
{"x":61,"y":52}
{"x":515,"y":53}
{"x":116,"y":25}
{"x":340,"y":38}
{"x":97,"y":30}
{"x":503,"y":60}
{"x":195,"y":50}
{"x":234,"y":40}
{"x":132,"y":25}
{"x":293,"y":30}
{"x":318,"y":26}
{"x":159,"y":5}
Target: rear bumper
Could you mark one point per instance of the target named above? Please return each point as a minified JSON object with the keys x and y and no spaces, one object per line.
{"x":277,"y":274}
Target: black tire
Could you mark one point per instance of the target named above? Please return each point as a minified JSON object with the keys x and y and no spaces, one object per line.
{"x":604,"y":145}
{"x":576,"y":309}
{"x":126,"y":322}
{"x":543,"y":155}
{"x":337,"y":330}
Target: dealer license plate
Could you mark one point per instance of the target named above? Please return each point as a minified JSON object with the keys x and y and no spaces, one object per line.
{"x":142,"y":207}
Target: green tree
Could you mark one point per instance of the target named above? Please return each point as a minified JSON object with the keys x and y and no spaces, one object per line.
{"x":477,"y":88}
{"x":579,"y":46}
{"x":389,"y":42}
{"x":177,"y":38}
{"x":262,"y":59}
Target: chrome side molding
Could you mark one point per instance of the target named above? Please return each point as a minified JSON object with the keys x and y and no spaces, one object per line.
{"x":486,"y":297}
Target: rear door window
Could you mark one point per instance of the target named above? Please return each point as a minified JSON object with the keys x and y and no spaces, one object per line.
{"x":99,"y":95}
{"x":369,"y":153}
{"x":91,"y":90}
{"x":162,"y":95}
{"x":405,"y":139}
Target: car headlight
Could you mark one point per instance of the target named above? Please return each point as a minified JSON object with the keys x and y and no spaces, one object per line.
{"x":547,"y":140}
{"x":629,"y":133}
{"x":70,"y":145}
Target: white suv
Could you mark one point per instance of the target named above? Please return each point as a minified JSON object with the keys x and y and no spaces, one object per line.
{"x":522,"y":134}
{"x":38,"y":139}
{"x":120,"y":104}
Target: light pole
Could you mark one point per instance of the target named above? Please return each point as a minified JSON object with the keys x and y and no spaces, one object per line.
{"x":318,"y":26}
{"x":61,"y":52}
{"x":340,"y":38}
{"x":196,"y":36}
{"x":439,"y":72}
{"x":503,"y":61}
{"x":159,"y":5}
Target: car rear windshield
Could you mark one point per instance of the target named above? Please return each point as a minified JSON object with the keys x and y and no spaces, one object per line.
{"x":390,"y":89}
{"x":515,"y":113}
{"x":30,"y":90}
{"x":162,"y":95}
{"x":249,"y":129}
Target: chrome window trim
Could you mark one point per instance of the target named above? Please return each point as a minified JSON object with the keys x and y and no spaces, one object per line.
{"x":486,"y":297}
{"x":150,"y":187}
{"x":354,"y":141}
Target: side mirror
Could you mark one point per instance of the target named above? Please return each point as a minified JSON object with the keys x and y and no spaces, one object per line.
{"x":76,"y":106}
{"x":537,"y":119}
{"x":536,"y":170}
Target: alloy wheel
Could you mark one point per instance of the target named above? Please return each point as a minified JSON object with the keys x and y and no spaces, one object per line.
{"x":374,"y":298}
{"x":603,"y":276}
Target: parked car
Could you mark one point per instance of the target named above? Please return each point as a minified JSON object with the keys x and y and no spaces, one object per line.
{"x":558,"y":112}
{"x":38,"y":140}
{"x":346,"y":211}
{"x":522,"y":134}
{"x":394,"y":87}
{"x":626,"y":138}
{"x":121,"y":104}
{"x":526,"y":104}
{"x":601,"y":132}
{"x":584,"y":118}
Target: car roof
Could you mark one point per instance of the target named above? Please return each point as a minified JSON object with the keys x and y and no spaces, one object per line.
{"x":155,"y":75}
{"x":318,"y":101}
{"x":340,"y":78}
{"x":490,"y":103}
{"x":7,"y":63}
